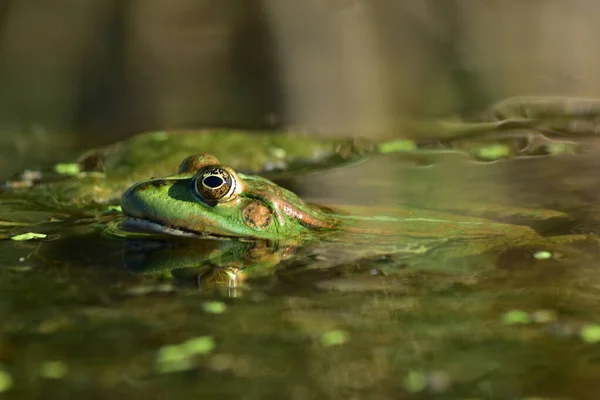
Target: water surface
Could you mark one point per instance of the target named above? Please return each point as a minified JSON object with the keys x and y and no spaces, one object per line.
{"x":84,"y":315}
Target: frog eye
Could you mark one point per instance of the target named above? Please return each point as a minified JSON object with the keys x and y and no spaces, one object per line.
{"x":214,"y":185}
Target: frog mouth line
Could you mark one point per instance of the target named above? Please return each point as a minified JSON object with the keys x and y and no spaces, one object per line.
{"x":137,"y":224}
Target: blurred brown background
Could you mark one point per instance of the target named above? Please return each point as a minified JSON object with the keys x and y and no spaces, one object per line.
{"x":76,"y":74}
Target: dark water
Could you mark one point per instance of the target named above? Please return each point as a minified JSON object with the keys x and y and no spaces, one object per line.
{"x":85,"y":315}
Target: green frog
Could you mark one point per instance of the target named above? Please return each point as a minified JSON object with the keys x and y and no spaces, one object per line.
{"x":210,"y":223}
{"x":206,"y":198}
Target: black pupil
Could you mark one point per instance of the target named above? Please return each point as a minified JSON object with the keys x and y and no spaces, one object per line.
{"x":213,"y":181}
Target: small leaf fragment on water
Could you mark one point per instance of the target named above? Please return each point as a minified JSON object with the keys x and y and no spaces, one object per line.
{"x":590,"y":333}
{"x":114,"y":208}
{"x":199,"y":345}
{"x":516,"y":317}
{"x":214,"y":307}
{"x":178,"y":357}
{"x":172,"y":358}
{"x":6,"y":380}
{"x":542,"y":255}
{"x":415,"y":381}
{"x":493,"y":152}
{"x":28,"y":236}
{"x":394,"y":146}
{"x":334,"y":338}
{"x":53,"y":369}
{"x":67,"y":168}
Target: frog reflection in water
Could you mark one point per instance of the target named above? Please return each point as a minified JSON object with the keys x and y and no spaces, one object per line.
{"x":206,"y":198}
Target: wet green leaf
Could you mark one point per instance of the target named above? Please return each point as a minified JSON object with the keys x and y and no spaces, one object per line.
{"x":28,"y":236}
{"x":114,"y":208}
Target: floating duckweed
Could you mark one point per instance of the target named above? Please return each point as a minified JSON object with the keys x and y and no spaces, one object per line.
{"x":172,"y":358}
{"x":6,"y":380}
{"x":28,"y":236}
{"x":415,"y":381}
{"x":178,"y":357}
{"x":516,"y":317}
{"x":114,"y":208}
{"x":543,"y":316}
{"x":334,"y":338}
{"x":159,"y":136}
{"x":199,"y":345}
{"x":214,"y":307}
{"x":590,"y":333}
{"x":396,"y":146}
{"x":493,"y":152}
{"x":542,"y":255}
{"x":67,"y":169}
{"x":53,"y":369}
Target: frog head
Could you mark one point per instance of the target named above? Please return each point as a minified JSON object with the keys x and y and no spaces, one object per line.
{"x":207,"y":198}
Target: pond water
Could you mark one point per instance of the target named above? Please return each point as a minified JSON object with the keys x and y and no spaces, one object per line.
{"x":84,"y":314}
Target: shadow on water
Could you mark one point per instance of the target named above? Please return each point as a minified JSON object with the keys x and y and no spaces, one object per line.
{"x":84,"y":314}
